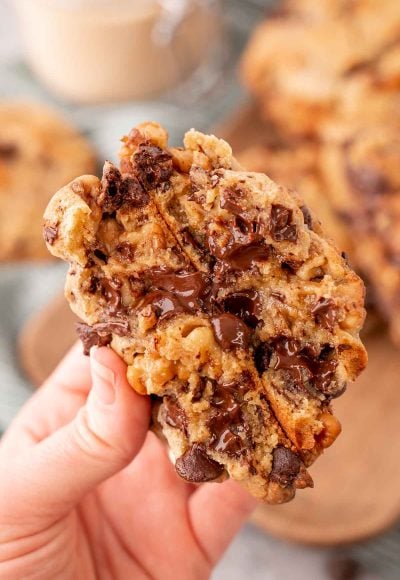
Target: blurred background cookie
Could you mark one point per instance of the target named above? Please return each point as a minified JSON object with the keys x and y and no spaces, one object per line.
{"x":39,"y":151}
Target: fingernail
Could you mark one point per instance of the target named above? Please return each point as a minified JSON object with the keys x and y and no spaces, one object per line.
{"x":103,"y":378}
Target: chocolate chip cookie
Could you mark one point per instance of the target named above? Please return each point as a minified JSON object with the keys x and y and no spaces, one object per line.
{"x":220,"y":292}
{"x":363,"y":171}
{"x":299,"y":64}
{"x":298,"y":167}
{"x":39,"y":152}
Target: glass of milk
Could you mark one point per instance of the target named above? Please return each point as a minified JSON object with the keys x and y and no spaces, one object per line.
{"x":96,"y":51}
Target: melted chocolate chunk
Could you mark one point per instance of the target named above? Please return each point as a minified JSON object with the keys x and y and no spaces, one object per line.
{"x":165,"y":304}
{"x":307,"y":216}
{"x":230,"y":331}
{"x":174,"y":414}
{"x":110,"y":291}
{"x":50,"y":234}
{"x":245,"y":304}
{"x":231,"y":199}
{"x":325,"y":313}
{"x":8,"y":151}
{"x":305,"y":365}
{"x":367,"y":180}
{"x":281,"y":227}
{"x":285,"y":466}
{"x":227,"y":426}
{"x":196,"y":466}
{"x":153,"y":166}
{"x":188,"y":287}
{"x":100,"y":334}
{"x":244,"y":247}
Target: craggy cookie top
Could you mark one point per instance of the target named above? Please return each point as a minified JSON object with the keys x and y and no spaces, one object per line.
{"x":301,"y":63}
{"x":221,"y":293}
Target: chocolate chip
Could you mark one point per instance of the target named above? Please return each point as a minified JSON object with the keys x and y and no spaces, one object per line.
{"x":153,"y":166}
{"x":232,"y":199}
{"x":90,"y":337}
{"x":196,"y":466}
{"x":242,"y":249}
{"x":119,"y":327}
{"x":325,"y":313}
{"x":132,"y":193}
{"x":304,"y":365}
{"x":230,"y":331}
{"x":164,"y":304}
{"x":245,"y":304}
{"x":228,"y":429}
{"x":262,"y":357}
{"x":110,"y":291}
{"x":8,"y":151}
{"x":120,"y":190}
{"x":200,"y":388}
{"x":100,"y":255}
{"x":100,"y":334}
{"x":125,"y":252}
{"x":188,"y":287}
{"x":93,"y":285}
{"x":281,"y":227}
{"x":110,"y":196}
{"x":285,"y":466}
{"x":174,"y":414}
{"x":307,"y":216}
{"x":50,"y":234}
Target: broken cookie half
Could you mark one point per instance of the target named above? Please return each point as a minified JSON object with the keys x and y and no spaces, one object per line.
{"x":220,"y":292}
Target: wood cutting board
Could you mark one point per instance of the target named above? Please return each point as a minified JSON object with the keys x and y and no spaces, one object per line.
{"x":357,"y":481}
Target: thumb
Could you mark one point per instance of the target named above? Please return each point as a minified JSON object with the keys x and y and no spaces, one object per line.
{"x":106,"y":434}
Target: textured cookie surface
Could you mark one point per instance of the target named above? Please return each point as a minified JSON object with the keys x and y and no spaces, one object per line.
{"x":363,"y":170}
{"x":39,"y":153}
{"x":316,"y":60}
{"x":222,"y":295}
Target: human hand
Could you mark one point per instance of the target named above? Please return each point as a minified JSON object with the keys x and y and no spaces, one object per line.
{"x":87,"y":492}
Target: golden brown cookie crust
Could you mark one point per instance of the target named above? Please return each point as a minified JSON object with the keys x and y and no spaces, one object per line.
{"x":224,"y":298}
{"x":39,"y":152}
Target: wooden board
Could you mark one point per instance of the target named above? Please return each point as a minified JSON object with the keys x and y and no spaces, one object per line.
{"x":357,"y":481}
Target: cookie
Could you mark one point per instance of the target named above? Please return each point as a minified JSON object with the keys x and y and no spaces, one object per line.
{"x":220,"y":292}
{"x":363,"y":171}
{"x":39,"y":152}
{"x":137,"y":291}
{"x":298,"y":65}
{"x":297,"y":167}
